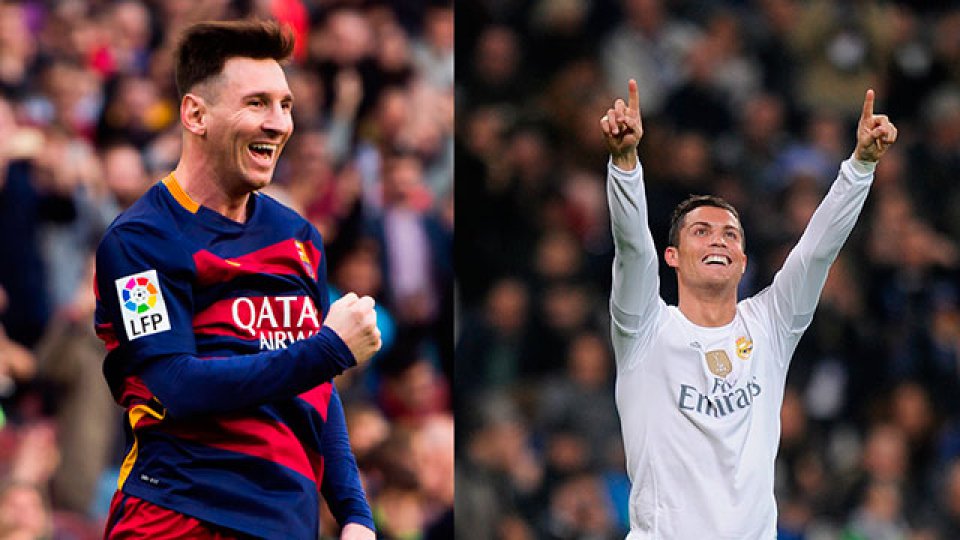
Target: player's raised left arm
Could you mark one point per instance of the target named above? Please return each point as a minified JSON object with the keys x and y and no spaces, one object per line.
{"x":796,"y":287}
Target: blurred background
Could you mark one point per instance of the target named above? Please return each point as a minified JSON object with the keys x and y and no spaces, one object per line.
{"x":754,"y":100}
{"x":89,"y":120}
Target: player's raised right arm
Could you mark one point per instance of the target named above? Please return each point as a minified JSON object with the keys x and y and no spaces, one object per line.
{"x":635,"y":281}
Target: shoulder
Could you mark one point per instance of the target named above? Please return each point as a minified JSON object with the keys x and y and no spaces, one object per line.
{"x":146,"y":230}
{"x":148,"y":213}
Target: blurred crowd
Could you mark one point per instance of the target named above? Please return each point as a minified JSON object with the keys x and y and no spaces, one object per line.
{"x":756,"y":101}
{"x":89,"y":121}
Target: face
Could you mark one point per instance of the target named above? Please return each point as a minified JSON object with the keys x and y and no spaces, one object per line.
{"x":710,"y":251}
{"x":248,"y":121}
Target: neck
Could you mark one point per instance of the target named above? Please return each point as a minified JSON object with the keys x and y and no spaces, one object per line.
{"x":205,"y":186}
{"x":708,"y":308}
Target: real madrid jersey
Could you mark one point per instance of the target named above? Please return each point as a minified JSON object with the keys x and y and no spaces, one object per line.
{"x":217,"y":352}
{"x":700,"y":406}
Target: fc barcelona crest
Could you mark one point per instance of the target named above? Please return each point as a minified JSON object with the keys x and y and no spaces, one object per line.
{"x":719,"y":363}
{"x":305,"y":258}
{"x":744,"y":347}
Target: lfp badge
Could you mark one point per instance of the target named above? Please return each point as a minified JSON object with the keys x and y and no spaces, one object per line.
{"x":141,"y":304}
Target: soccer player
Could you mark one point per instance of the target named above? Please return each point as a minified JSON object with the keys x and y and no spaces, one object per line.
{"x":222,"y":343}
{"x":699,"y":385}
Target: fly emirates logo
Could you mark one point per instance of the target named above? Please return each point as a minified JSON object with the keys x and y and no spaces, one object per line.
{"x":725,"y":398}
{"x":277,"y":321}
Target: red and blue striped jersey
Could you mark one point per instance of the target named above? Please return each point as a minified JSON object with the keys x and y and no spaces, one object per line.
{"x":217,"y":352}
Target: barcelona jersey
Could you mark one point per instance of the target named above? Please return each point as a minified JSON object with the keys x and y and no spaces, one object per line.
{"x":218,"y":353}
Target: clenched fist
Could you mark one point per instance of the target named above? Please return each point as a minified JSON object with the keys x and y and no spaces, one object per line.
{"x":355,"y":321}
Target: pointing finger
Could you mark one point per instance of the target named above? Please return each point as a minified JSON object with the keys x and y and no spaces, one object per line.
{"x":634,"y":99}
{"x":867,"y":105}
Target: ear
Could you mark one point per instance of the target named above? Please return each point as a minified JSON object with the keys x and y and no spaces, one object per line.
{"x":193,"y":114}
{"x":672,"y":256}
{"x":744,"y":269}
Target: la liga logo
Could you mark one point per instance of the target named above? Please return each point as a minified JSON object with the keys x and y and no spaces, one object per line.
{"x":142,"y":307}
{"x":139,"y":295}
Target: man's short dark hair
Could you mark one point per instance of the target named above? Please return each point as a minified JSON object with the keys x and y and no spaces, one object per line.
{"x":205,"y":47}
{"x":692,"y":203}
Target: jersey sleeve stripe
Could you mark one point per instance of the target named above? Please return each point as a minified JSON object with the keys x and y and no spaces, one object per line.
{"x":106,"y":333}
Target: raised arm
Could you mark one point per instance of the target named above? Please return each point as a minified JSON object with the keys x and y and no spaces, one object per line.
{"x":635,"y":293}
{"x":796,"y":287}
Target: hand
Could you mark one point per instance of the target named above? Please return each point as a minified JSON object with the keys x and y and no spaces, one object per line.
{"x":355,"y":531}
{"x":355,"y":321}
{"x":875,"y":132}
{"x":623,"y":128}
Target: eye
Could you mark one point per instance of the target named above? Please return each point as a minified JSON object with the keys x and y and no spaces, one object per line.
{"x":286,"y":105}
{"x":256,"y":102}
{"x":733,"y":235}
{"x":699,"y":231}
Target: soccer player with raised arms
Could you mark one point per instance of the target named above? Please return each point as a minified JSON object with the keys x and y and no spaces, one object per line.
{"x":222,"y":345}
{"x":700,"y":385}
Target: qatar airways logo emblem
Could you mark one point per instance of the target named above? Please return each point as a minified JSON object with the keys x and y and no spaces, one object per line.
{"x":277,"y":321}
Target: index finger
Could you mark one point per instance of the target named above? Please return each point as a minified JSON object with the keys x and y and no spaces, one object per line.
{"x":634,"y":99}
{"x":867,"y":105}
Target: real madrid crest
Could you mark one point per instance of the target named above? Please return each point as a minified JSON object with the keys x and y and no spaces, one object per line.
{"x":744,"y":347}
{"x":719,"y":363}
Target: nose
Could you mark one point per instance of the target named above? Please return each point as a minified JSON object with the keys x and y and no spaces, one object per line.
{"x":718,"y":239}
{"x":277,"y":121}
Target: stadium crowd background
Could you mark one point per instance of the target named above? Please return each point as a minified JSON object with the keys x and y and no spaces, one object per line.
{"x":89,"y":120}
{"x":755,"y":101}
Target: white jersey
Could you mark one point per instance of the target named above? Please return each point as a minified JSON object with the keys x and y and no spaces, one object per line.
{"x":700,"y":407}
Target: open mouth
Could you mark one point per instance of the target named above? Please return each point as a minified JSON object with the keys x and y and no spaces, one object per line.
{"x":263,"y":150}
{"x":721,"y":260}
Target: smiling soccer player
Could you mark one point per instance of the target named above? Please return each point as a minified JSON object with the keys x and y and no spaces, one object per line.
{"x":700,"y":384}
{"x":212,"y":300}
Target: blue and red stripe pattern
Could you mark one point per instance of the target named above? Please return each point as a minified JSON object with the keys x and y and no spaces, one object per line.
{"x":232,"y":417}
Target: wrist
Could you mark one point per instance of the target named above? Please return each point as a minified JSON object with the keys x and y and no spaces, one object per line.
{"x":862,"y":166}
{"x":626,"y":161}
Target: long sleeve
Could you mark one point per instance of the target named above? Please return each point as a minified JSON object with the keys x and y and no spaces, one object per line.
{"x":634,"y":299}
{"x":151,"y":327}
{"x":341,"y":486}
{"x":796,"y":287}
{"x":188,"y":386}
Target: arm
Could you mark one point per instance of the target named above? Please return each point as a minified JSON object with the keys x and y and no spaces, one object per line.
{"x":796,"y":287}
{"x":165,"y":356}
{"x":635,"y":294}
{"x":341,"y":479}
{"x":187,"y":385}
